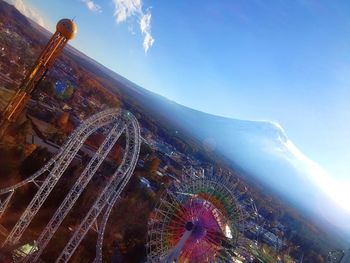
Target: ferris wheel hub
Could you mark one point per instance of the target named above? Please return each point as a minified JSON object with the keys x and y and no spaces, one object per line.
{"x":189,"y":226}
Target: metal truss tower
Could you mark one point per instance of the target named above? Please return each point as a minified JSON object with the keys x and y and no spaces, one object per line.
{"x":65,"y":30}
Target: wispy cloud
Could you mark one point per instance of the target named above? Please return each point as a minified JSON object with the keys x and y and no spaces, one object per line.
{"x":145,"y":26}
{"x":28,"y":12}
{"x":125,"y":9}
{"x":92,"y":6}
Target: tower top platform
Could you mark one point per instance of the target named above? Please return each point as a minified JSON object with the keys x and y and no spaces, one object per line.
{"x":67,"y":28}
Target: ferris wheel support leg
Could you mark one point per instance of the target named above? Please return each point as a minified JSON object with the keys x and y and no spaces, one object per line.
{"x":174,"y":253}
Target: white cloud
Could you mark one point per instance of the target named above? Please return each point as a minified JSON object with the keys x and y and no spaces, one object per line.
{"x":125,"y":9}
{"x":145,"y":26}
{"x":28,"y":11}
{"x":92,"y":6}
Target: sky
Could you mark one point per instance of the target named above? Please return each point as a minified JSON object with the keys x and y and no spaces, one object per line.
{"x":286,"y":61}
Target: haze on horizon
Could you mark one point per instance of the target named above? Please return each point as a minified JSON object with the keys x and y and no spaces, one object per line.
{"x":286,"y":62}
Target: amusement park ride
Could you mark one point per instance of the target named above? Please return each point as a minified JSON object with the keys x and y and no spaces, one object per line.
{"x":197,"y":220}
{"x":65,"y":30}
{"x":117,"y":122}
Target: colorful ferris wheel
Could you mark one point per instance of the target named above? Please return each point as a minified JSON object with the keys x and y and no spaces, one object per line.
{"x":197,"y":220}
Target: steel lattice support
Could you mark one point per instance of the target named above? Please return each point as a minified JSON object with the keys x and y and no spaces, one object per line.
{"x":77,"y":189}
{"x":111,"y":113}
{"x":60,"y":164}
{"x":101,"y":232}
{"x":4,"y":203}
{"x":119,"y":122}
{"x":111,"y":192}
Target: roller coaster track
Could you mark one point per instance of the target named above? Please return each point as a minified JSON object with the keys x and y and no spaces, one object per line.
{"x":118,"y":122}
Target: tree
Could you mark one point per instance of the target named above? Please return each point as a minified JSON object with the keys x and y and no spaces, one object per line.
{"x":68,"y":92}
{"x":153,"y":164}
{"x":24,"y":129}
{"x":314,"y":257}
{"x":48,"y":87}
{"x":34,"y":161}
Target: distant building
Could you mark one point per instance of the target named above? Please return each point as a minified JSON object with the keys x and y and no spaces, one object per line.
{"x":159,"y":173}
{"x":265,"y":235}
{"x":63,"y":120}
{"x":335,"y":256}
{"x":272,"y":240}
{"x":145,"y":182}
{"x":141,"y":163}
{"x":66,"y":107}
{"x":24,"y":250}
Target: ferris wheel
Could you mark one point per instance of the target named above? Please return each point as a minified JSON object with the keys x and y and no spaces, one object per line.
{"x":197,"y":220}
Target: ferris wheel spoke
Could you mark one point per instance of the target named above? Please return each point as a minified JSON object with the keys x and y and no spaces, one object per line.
{"x":177,"y":227}
{"x":200,"y":212}
{"x":211,"y":205}
{"x":212,"y":240}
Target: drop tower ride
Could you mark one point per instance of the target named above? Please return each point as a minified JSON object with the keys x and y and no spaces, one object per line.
{"x":65,"y":30}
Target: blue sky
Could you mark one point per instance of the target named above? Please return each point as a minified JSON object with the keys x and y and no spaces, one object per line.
{"x":284,"y":61}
